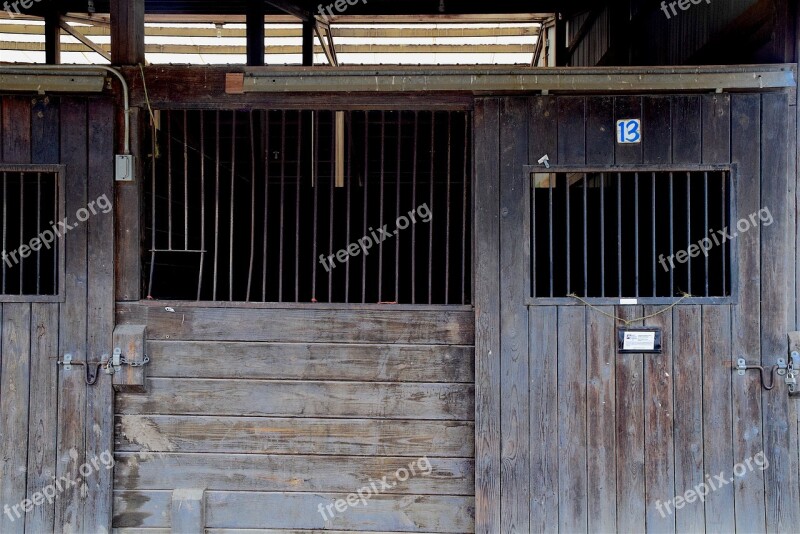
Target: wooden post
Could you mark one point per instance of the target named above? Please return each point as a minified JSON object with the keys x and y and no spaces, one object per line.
{"x":130,"y":340}
{"x":188,"y":511}
{"x":255,"y":34}
{"x":127,"y":32}
{"x":308,"y":43}
{"x":52,"y":37}
{"x":560,"y":40}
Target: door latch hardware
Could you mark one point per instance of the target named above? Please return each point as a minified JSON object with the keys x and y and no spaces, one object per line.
{"x":119,"y":359}
{"x":91,"y":377}
{"x":781,"y":369}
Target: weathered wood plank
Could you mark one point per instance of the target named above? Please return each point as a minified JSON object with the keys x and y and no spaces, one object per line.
{"x":14,"y":407}
{"x":631,"y":504}
{"x":262,"y":472}
{"x":628,"y":107}
{"x":687,"y":130}
{"x":42,"y":422}
{"x":717,"y":417}
{"x":600,"y":130}
{"x":302,"y":399}
{"x":188,"y":511}
{"x":259,"y":435}
{"x":297,"y":325}
{"x":659,"y":415}
{"x":514,"y":291}
{"x":544,"y":417}
{"x":130,"y":340}
{"x":128,"y":221}
{"x":487,"y":316}
{"x":571,"y":130}
{"x":73,"y":320}
{"x":300,"y":511}
{"x":601,"y":422}
{"x":16,"y":129}
{"x":688,"y":424}
{"x":782,"y":500}
{"x":45,"y":131}
{"x":657,"y":128}
{"x":313,"y":361}
{"x":100,"y":312}
{"x":572,"y":439}
{"x":748,"y":435}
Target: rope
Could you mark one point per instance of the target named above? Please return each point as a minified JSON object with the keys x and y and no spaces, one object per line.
{"x":631,"y":321}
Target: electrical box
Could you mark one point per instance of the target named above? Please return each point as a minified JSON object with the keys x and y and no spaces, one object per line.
{"x":123,"y":165}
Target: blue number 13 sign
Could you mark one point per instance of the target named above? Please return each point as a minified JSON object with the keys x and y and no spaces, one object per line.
{"x":629,"y":131}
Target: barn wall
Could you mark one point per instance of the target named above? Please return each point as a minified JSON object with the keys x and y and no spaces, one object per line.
{"x":277,"y":411}
{"x":51,"y":422}
{"x":572,"y":435}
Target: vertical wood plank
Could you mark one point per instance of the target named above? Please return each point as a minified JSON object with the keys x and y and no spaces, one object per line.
{"x":514,"y":290}
{"x":545,"y":454}
{"x":16,"y":117}
{"x":571,"y":130}
{"x":44,"y":131}
{"x":686,"y":129}
{"x":717,"y":423}
{"x":657,"y":128}
{"x":43,"y":417}
{"x":487,"y":316}
{"x":572,"y":472}
{"x":600,"y":130}
{"x":14,"y":405}
{"x":100,"y":320}
{"x":659,"y":456}
{"x":543,"y":129}
{"x":630,"y":435}
{"x":628,"y":107}
{"x":72,"y":329}
{"x":783,"y":502}
{"x":747,"y":423}
{"x":688,"y":406}
{"x":601,"y":422}
{"x":127,"y":210}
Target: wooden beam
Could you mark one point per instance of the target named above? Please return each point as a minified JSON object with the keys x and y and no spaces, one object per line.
{"x":85,"y":40}
{"x":255,"y":34}
{"x":52,"y":37}
{"x":127,"y":32}
{"x":308,"y":43}
{"x":560,"y":41}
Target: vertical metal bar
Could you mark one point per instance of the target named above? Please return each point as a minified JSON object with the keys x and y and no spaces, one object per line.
{"x":282,"y":207}
{"x":671,"y":232}
{"x":380,"y":219}
{"x":636,"y":229}
{"x":414,"y":203}
{"x":464,"y":244}
{"x":21,"y":230}
{"x":233,"y":196}
{"x":705,"y":223}
{"x":585,"y":235}
{"x":349,"y":178}
{"x":430,"y":199}
{"x":202,"y":202}
{"x":447,"y":224}
{"x":169,"y":181}
{"x":689,"y":229}
{"x":39,"y":232}
{"x":216,"y":210}
{"x":298,"y":174}
{"x":723,"y":223}
{"x":365,"y":206}
{"x":5,"y":224}
{"x":265,"y":251}
{"x":550,"y":184}
{"x":397,"y":206}
{"x":619,"y":235}
{"x":653,"y":214}
{"x":153,"y":220}
{"x":569,"y":238}
{"x":252,"y":207}
{"x":603,"y":235}
{"x":315,"y":173}
{"x":185,"y":180}
{"x":332,"y":206}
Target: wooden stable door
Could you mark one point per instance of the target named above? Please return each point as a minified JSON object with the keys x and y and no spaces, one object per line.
{"x":573,"y":435}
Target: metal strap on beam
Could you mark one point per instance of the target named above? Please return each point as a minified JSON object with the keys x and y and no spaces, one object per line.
{"x":488,"y":80}
{"x":50,"y":83}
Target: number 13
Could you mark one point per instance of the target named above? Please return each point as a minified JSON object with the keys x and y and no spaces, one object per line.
{"x":629,"y":131}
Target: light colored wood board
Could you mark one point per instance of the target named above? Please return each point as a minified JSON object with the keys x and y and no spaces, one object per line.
{"x":572,"y":473}
{"x":134,"y":530}
{"x":261,"y":435}
{"x":311,"y":361}
{"x":659,"y":416}
{"x":601,"y":344}
{"x":300,"y":325}
{"x":43,"y":418}
{"x":251,"y":472}
{"x":545,"y":453}
{"x":486,"y":147}
{"x":687,"y":363}
{"x":130,"y":339}
{"x":14,"y":406}
{"x":514,"y":292}
{"x":297,"y":512}
{"x":302,"y":399}
{"x":188,"y":511}
{"x":748,"y":432}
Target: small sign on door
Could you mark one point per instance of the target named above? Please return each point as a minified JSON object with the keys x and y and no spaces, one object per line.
{"x":629,"y":131}
{"x":639,"y":340}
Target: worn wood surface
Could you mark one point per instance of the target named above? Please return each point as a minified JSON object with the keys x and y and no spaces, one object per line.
{"x":130,"y":339}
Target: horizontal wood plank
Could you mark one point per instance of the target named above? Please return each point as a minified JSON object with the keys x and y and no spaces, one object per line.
{"x":261,"y":435}
{"x":255,"y":472}
{"x":301,"y":325}
{"x":302,"y":399}
{"x":299,"y":512}
{"x":323,"y":361}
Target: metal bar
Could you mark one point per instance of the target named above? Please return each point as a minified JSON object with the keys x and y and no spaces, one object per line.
{"x":724,"y":223}
{"x":315,"y":167}
{"x":397,"y":206}
{"x":464,"y":243}
{"x":349,"y":178}
{"x":705,"y":222}
{"x":653,"y":241}
{"x":282,"y":210}
{"x":380,"y":219}
{"x":430,"y":199}
{"x":671,"y":231}
{"x":21,"y":231}
{"x":689,"y":229}
{"x":603,"y":235}
{"x":585,"y":236}
{"x":619,"y":235}
{"x":447,"y":224}
{"x":365,"y":206}
{"x":414,"y":203}
{"x":216,"y":212}
{"x":568,"y":224}
{"x":265,"y":250}
{"x":233,"y":196}
{"x":185,"y":181}
{"x":39,"y":232}
{"x":252,"y":207}
{"x":153,"y":220}
{"x":202,"y":202}
{"x":550,"y":184}
{"x":636,"y":230}
{"x":169,"y":180}
{"x":332,"y":200}
{"x":298,"y":174}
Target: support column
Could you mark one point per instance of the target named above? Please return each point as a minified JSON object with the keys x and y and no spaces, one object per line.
{"x":52,"y":37}
{"x":255,"y":34}
{"x":308,"y":43}
{"x":127,"y":32}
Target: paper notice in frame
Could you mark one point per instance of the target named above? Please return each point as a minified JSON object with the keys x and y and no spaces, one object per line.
{"x":639,"y":340}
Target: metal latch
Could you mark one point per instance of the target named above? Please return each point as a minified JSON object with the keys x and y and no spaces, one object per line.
{"x":792,"y":369}
{"x":92,"y":369}
{"x":67,"y":362}
{"x":118,"y":359}
{"x":780,"y":368}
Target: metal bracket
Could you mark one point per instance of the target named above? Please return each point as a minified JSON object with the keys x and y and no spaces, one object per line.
{"x":120,"y":360}
{"x":781,"y":368}
{"x":67,"y":362}
{"x":792,"y":371}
